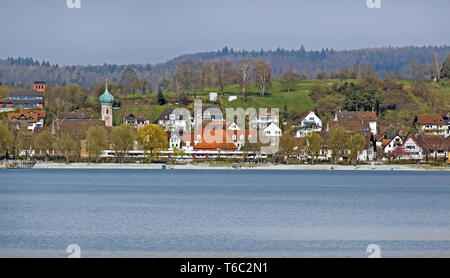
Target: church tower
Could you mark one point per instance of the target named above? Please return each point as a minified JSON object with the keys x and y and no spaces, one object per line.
{"x":107,"y":101}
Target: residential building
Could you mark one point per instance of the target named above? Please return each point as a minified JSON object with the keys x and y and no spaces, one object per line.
{"x":434,"y":148}
{"x":272,"y":131}
{"x":136,"y":120}
{"x":431,"y":125}
{"x":390,"y":144}
{"x":310,"y":123}
{"x":267,"y":117}
{"x":413,"y":149}
{"x":172,"y":122}
{"x":30,"y":119}
{"x":362,"y":122}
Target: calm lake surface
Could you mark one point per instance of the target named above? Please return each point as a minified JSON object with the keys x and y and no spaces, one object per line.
{"x":184,"y":213}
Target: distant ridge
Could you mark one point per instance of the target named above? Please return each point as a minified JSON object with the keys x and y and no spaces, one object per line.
{"x":23,"y":71}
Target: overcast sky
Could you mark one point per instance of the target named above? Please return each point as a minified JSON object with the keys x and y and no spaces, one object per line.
{"x":152,"y":31}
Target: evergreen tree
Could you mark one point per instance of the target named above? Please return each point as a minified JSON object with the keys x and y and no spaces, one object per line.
{"x":445,"y":71}
{"x":161,"y":98}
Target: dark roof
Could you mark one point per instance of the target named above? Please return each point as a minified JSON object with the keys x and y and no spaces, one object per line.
{"x":165,"y":114}
{"x":138,"y":117}
{"x":74,"y":115}
{"x":39,"y":82}
{"x":26,"y":93}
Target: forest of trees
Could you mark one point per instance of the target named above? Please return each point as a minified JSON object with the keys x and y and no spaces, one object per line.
{"x":309,"y":64}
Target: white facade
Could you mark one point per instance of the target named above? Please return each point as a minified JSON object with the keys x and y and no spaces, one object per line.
{"x":174,"y":124}
{"x":373,"y":127}
{"x":174,"y":142}
{"x":268,"y":118}
{"x":311,"y":123}
{"x":413,"y":148}
{"x":434,"y":130}
{"x":393,"y":144}
{"x":272,"y":131}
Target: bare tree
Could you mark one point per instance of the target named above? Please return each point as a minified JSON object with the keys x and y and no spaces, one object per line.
{"x":129,"y":81}
{"x":367,"y":74}
{"x":289,"y":79}
{"x":223,"y":70}
{"x":246,"y":69}
{"x":415,"y":70}
{"x":207,"y":75}
{"x":436,"y":66}
{"x":263,"y":76}
{"x":189,"y":74}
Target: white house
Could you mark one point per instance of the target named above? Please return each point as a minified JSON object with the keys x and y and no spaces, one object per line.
{"x":393,"y":144}
{"x":171,"y":122}
{"x":413,"y":148}
{"x":272,"y":130}
{"x":266,"y":118}
{"x":311,"y":123}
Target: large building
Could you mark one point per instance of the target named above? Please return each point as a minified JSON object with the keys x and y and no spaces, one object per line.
{"x":26,"y":98}
{"x":74,"y":124}
{"x":431,"y":125}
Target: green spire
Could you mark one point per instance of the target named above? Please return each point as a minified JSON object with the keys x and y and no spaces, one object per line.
{"x":106,"y":98}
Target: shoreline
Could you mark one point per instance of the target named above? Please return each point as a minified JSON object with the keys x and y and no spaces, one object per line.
{"x":317,"y":167}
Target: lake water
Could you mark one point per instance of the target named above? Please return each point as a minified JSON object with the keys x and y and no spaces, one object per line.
{"x":184,"y":213}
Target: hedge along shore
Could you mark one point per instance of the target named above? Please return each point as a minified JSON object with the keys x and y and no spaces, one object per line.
{"x":319,"y":167}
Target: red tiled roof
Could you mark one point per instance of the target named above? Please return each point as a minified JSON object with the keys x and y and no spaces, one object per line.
{"x":435,"y":119}
{"x":31,"y":116}
{"x":434,"y":144}
{"x":356,"y":115}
